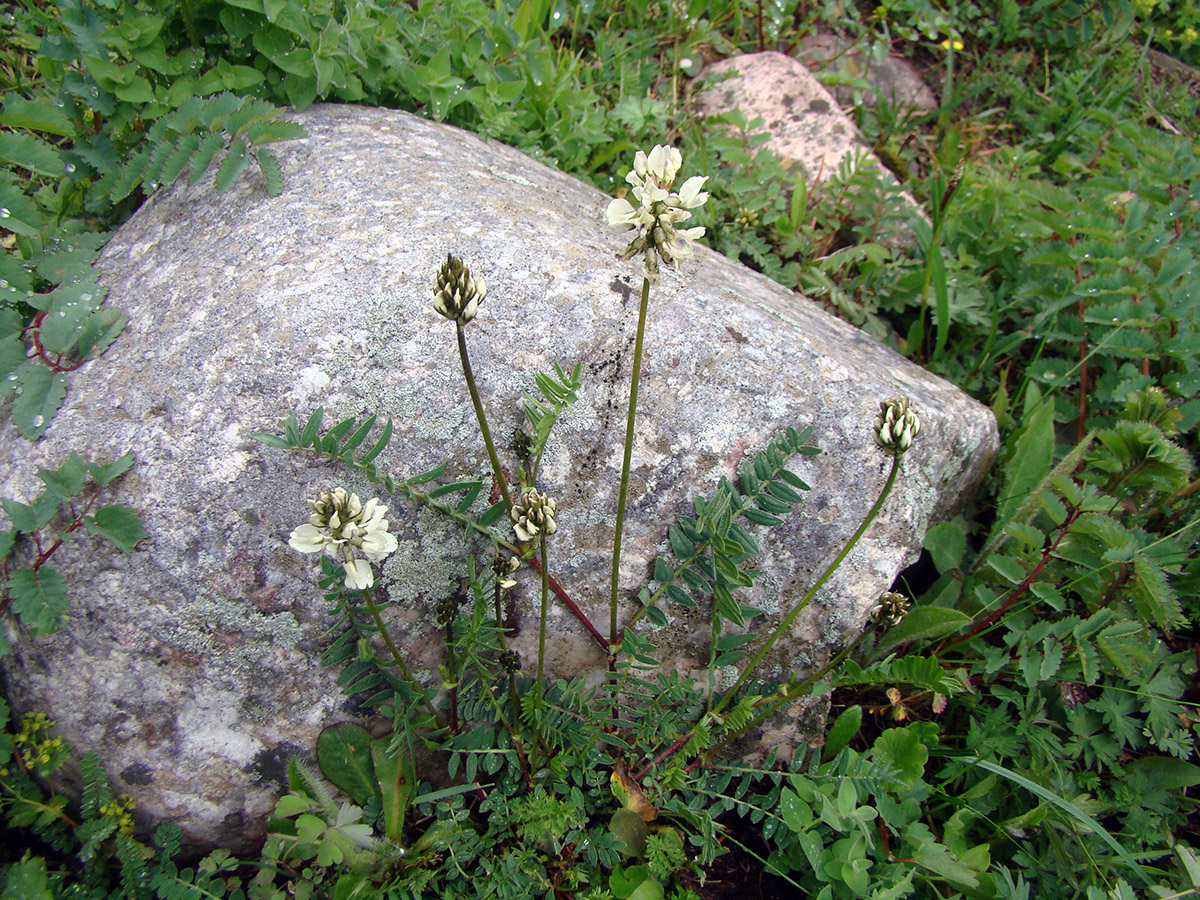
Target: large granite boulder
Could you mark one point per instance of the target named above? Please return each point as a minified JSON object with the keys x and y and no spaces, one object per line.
{"x":190,"y":665}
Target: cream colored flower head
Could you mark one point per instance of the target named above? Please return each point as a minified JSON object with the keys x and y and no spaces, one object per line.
{"x":342,"y":525}
{"x":896,"y":426}
{"x":534,"y":515}
{"x":660,"y":209}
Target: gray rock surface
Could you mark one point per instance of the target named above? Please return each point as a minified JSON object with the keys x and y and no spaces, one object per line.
{"x":190,"y":665}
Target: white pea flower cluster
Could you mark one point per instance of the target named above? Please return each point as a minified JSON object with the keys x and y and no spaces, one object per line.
{"x":534,"y":514}
{"x":659,"y":208}
{"x":896,"y":426}
{"x":342,"y":525}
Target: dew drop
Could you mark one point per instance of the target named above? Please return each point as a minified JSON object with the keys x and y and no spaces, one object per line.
{"x":69,"y":167}
{"x":85,"y":297}
{"x":4,"y":213}
{"x":12,"y":377}
{"x":3,"y":282}
{"x":37,"y":421}
{"x":62,"y":313}
{"x":93,"y":92}
{"x":59,"y":103}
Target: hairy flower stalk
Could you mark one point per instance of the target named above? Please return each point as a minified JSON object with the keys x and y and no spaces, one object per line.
{"x":895,"y":428}
{"x":533,"y":517}
{"x":654,"y":219}
{"x":456,"y":295}
{"x":342,"y":525}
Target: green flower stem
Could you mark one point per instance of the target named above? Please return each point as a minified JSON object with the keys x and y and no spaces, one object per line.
{"x":812,"y":591}
{"x":189,"y":24}
{"x":399,"y":660}
{"x":624,"y":490}
{"x":542,"y":622}
{"x":483,"y":426}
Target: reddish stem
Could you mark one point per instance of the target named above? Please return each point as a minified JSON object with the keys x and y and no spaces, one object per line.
{"x":1021,"y":588}
{"x":571,"y":605}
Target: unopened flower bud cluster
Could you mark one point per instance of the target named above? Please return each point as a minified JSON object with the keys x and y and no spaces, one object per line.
{"x":890,"y":610}
{"x":457,"y":293}
{"x":896,"y":426}
{"x":342,"y":525}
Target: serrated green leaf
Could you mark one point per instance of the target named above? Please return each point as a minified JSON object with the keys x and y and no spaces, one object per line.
{"x":119,"y":524}
{"x":106,"y":473}
{"x":1032,"y":456}
{"x":1008,"y":569}
{"x":31,"y":153}
{"x":36,"y":115}
{"x":39,"y":598}
{"x":64,"y":319}
{"x":7,"y":539}
{"x":67,"y":480}
{"x":177,"y":160}
{"x":842,"y":731}
{"x":99,"y":331}
{"x":40,"y":393}
{"x":946,"y":543}
{"x":13,"y":355}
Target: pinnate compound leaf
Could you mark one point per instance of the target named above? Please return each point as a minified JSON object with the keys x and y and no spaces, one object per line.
{"x":39,"y":598}
{"x":119,"y":524}
{"x":203,"y":157}
{"x":237,"y":158}
{"x":269,"y":166}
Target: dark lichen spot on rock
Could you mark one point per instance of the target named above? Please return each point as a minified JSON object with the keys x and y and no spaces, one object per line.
{"x":620,"y":287}
{"x":736,"y":335}
{"x":138,"y":773}
{"x":269,"y":766}
{"x":787,"y":100}
{"x":818,"y":106}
